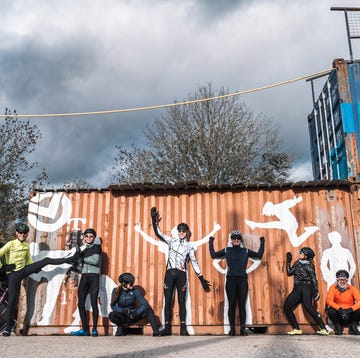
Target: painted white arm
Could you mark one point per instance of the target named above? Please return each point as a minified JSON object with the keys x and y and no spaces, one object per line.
{"x":205,"y":239}
{"x":216,"y":264}
{"x":147,"y":237}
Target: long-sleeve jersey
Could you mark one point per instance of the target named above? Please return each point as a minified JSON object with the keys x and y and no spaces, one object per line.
{"x":127,"y":300}
{"x":350,"y":298}
{"x":16,"y":252}
{"x":236,"y":258}
{"x":304,"y":273}
{"x":180,"y":252}
{"x":91,"y":262}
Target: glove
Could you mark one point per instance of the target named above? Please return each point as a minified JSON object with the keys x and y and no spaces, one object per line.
{"x":127,"y":311}
{"x":154,"y":213}
{"x":132,"y":314}
{"x":288,"y":256}
{"x":345,"y":313}
{"x":8,"y":268}
{"x":262,"y":239}
{"x":211,"y":239}
{"x":204,"y":283}
{"x":316,"y":296}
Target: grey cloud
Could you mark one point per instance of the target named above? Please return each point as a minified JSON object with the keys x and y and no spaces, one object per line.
{"x":139,"y":61}
{"x":32,"y":71}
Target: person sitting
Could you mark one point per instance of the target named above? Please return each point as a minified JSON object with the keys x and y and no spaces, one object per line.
{"x":129,"y":306}
{"x":343,"y":304}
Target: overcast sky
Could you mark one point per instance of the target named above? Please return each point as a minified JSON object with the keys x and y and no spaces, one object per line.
{"x":94,"y":55}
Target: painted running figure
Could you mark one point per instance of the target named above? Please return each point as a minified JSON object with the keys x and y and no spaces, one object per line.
{"x":287,"y":220}
{"x":180,"y":251}
{"x":305,"y":285}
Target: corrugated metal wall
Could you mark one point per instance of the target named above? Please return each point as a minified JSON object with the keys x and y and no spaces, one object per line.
{"x":292,"y":214}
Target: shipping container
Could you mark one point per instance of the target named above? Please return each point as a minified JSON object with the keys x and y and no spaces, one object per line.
{"x":323,"y":215}
{"x":334,"y":126}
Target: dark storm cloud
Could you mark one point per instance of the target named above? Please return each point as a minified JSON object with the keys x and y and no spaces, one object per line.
{"x":34,"y":71}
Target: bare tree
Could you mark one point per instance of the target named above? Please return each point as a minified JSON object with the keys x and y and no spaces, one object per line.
{"x":212,"y":142}
{"x":17,"y":140}
{"x":75,"y":184}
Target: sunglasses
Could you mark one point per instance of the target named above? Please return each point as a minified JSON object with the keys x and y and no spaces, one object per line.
{"x":22,"y":233}
{"x":91,"y":236}
{"x":183,"y":231}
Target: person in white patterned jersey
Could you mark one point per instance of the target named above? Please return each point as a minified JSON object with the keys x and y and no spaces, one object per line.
{"x":180,"y":252}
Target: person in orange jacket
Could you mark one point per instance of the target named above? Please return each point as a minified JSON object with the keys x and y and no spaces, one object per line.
{"x":343,"y":304}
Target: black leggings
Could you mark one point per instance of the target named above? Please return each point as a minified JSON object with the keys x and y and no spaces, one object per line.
{"x":301,"y":294}
{"x":89,"y":284}
{"x":236,"y":291}
{"x":334,"y":315}
{"x":14,"y":282}
{"x":175,"y":277}
{"x":120,"y":319}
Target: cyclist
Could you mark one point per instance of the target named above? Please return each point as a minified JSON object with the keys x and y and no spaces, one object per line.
{"x":129,"y":306}
{"x":20,"y":265}
{"x":343,"y":304}
{"x":180,"y":251}
{"x":305,"y":285}
{"x":90,"y":267}
{"x":236,"y":278}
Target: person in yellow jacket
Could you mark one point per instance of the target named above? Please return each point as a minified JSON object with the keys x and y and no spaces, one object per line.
{"x":343,"y":304}
{"x":20,"y":265}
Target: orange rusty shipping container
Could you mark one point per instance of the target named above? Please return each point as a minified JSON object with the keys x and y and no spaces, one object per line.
{"x":288,"y":216}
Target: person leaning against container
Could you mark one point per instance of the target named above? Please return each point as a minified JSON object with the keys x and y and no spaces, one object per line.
{"x":305,"y":285}
{"x":237,"y":287}
{"x":19,"y":265}
{"x":180,"y":252}
{"x":129,"y":306}
{"x":343,"y":304}
{"x":90,"y":267}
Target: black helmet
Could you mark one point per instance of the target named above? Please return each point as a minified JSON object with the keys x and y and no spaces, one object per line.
{"x":90,"y":231}
{"x":309,"y":253}
{"x":342,"y":274}
{"x":183,"y":227}
{"x":126,"y":278}
{"x":236,"y":234}
{"x":21,"y":228}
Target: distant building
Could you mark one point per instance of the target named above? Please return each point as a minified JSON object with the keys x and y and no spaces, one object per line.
{"x":334,"y":124}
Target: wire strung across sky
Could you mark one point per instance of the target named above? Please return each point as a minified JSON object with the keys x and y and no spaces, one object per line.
{"x":77,"y":114}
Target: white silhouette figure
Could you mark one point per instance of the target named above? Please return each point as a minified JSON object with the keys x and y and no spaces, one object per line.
{"x":252,"y":267}
{"x":163,"y":247}
{"x":287,"y":220}
{"x":336,"y":258}
{"x":54,"y":276}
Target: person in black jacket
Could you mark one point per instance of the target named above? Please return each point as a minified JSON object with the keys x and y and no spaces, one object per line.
{"x":129,"y":306}
{"x":305,"y":285}
{"x":236,"y":277}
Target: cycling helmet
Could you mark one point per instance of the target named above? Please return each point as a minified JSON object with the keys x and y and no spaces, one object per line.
{"x":126,"y":278}
{"x":21,"y":228}
{"x":183,"y":227}
{"x":90,"y":231}
{"x":342,"y":274}
{"x":309,"y":253}
{"x":236,"y":234}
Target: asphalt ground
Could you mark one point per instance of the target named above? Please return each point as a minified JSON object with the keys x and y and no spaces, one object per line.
{"x":254,"y":345}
